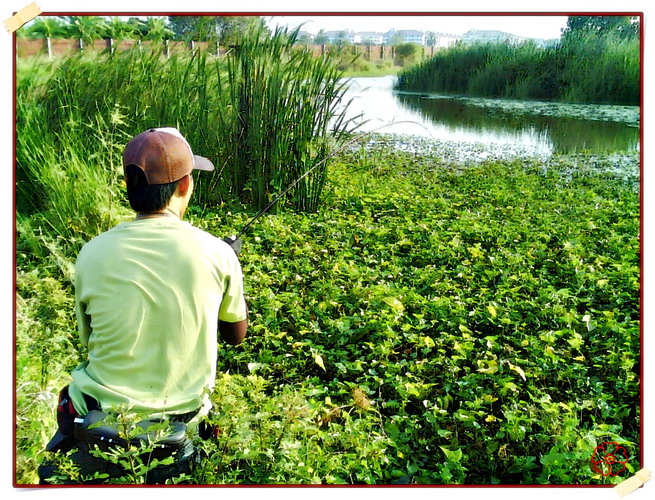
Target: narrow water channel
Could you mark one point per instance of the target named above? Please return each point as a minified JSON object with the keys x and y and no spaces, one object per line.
{"x":458,"y":120}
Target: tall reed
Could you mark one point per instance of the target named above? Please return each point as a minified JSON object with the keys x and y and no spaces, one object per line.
{"x":603,"y":70}
{"x":265,"y":114}
{"x":67,"y":178}
{"x":283,"y":111}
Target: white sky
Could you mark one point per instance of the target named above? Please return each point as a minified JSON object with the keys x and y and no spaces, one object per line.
{"x":532,"y":26}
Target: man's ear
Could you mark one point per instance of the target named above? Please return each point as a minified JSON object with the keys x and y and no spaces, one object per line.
{"x":183,"y":185}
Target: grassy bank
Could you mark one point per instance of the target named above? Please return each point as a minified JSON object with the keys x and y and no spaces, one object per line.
{"x":599,"y":70}
{"x":433,"y":322}
{"x":373,"y":72}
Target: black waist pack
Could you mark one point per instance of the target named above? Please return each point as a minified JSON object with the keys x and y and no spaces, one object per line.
{"x":167,"y":438}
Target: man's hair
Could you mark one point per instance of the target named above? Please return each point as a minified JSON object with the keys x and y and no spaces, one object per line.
{"x":144,"y":197}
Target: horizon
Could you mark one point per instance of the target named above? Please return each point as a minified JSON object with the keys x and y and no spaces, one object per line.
{"x":538,"y":26}
{"x":527,"y":26}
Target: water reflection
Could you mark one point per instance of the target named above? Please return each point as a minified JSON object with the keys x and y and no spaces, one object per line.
{"x":456,"y":120}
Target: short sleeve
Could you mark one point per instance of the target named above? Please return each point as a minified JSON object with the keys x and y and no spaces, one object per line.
{"x":233,"y":306}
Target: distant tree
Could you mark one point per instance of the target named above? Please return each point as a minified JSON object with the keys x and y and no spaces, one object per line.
{"x":85,"y":28}
{"x":44,"y":27}
{"x":184,"y":27}
{"x":342,"y":38}
{"x":407,"y":53}
{"x":118,"y":29}
{"x":396,"y":39}
{"x":624,"y":27}
{"x":305,"y":38}
{"x":137,"y":28}
{"x":232,"y":28}
{"x":156,"y":28}
{"x":321,"y":38}
{"x":431,"y":38}
{"x":227,"y":30}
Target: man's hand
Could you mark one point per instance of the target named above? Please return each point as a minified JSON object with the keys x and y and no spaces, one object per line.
{"x":235,"y":243}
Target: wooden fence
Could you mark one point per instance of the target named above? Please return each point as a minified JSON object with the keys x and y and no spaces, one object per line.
{"x":54,"y":47}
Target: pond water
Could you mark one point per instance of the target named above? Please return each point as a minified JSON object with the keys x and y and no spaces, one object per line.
{"x":513,"y":124}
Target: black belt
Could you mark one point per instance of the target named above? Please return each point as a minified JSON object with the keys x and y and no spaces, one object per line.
{"x":93,"y":404}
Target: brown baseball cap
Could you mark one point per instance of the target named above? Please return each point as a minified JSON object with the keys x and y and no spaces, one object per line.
{"x":164,"y":155}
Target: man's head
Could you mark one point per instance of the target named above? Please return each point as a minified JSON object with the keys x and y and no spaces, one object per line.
{"x":154,"y":162}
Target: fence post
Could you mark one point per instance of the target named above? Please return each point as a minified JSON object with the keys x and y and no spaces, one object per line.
{"x":167,"y":49}
{"x":48,"y":47}
{"x":80,"y":44}
{"x":110,"y":45}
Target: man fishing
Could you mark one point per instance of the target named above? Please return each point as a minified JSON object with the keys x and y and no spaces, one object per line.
{"x":152,"y":295}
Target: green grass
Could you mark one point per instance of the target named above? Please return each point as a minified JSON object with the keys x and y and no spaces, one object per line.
{"x":264,"y":114}
{"x":372,"y":70}
{"x":431,"y":323}
{"x":590,"y":70}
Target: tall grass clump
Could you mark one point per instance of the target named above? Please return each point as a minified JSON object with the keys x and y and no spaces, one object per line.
{"x":604,"y":70}
{"x":284,"y":114}
{"x":266,"y":113}
{"x":600,"y":70}
{"x":67,"y":177}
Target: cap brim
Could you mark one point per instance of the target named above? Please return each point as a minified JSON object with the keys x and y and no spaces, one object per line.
{"x":202,"y":163}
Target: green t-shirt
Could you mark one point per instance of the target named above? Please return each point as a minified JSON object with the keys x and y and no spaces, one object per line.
{"x":149,"y":294}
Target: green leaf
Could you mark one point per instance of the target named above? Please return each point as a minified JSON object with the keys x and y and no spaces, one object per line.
{"x":492,"y":366}
{"x":517,"y":369}
{"x":318,"y":359}
{"x":394,"y":303}
{"x":452,"y":456}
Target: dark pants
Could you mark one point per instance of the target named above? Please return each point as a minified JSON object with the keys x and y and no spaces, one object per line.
{"x":67,"y":439}
{"x":89,"y":465}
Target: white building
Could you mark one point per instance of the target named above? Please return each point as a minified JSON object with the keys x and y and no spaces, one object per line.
{"x":442,"y":40}
{"x":412,"y":36}
{"x":404,"y":36}
{"x":341,"y":35}
{"x":369,"y":38}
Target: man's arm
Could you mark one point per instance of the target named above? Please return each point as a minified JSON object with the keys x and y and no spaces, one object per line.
{"x":233,"y":333}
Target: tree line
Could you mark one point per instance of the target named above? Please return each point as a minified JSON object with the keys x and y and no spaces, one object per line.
{"x":225,"y":30}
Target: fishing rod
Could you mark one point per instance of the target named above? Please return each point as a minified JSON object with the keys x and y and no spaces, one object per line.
{"x":232,"y":239}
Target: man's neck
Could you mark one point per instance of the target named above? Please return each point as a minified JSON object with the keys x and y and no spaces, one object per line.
{"x":167,"y":212}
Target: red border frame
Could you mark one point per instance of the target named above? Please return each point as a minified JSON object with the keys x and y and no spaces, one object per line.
{"x":639,"y":15}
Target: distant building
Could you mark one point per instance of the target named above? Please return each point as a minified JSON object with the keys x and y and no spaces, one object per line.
{"x":442,"y":40}
{"x":340,"y":36}
{"x":412,"y":36}
{"x":305,"y":37}
{"x":429,"y":38}
{"x":403,"y":36}
{"x":370,"y":38}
